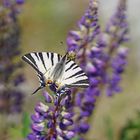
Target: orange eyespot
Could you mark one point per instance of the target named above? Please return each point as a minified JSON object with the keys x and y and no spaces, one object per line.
{"x":49,"y":81}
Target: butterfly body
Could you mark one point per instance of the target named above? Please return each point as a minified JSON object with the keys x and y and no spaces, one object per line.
{"x":56,"y":71}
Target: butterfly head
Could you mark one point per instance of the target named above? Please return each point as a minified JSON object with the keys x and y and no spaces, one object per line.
{"x":71,"y":55}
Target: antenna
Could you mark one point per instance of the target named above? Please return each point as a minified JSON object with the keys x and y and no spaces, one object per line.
{"x":66,"y":52}
{"x":62,"y":45}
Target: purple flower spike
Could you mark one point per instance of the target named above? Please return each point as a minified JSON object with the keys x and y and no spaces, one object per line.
{"x":11,"y":98}
{"x":87,"y":24}
{"x":53,"y":121}
{"x":101,"y":56}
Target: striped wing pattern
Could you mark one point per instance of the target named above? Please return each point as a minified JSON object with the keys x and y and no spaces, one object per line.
{"x":41,"y":62}
{"x":75,"y":76}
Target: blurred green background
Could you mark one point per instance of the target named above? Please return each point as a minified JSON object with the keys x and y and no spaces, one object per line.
{"x":45,"y":24}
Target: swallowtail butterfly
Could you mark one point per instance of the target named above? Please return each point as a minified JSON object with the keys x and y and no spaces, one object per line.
{"x":54,"y":69}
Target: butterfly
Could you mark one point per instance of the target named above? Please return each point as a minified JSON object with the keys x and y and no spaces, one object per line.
{"x":56,"y":71}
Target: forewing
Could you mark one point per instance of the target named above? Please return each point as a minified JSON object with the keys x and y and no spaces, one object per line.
{"x":74,"y":76}
{"x":41,"y":61}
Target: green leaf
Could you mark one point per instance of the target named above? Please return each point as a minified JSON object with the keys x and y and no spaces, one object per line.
{"x":15,"y":133}
{"x":75,"y":138}
{"x":131,"y":130}
{"x":25,"y":124}
{"x":109,"y":129}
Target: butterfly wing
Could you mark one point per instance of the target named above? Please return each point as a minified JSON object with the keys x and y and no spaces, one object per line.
{"x":41,"y":62}
{"x":74,"y":76}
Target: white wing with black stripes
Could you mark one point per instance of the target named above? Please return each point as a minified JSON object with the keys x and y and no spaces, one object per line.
{"x":41,"y":62}
{"x":74,"y":76}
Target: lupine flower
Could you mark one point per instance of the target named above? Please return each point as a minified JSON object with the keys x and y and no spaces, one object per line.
{"x":117,"y":29}
{"x":9,"y":3}
{"x":11,"y":98}
{"x":86,"y":48}
{"x":97,"y":52}
{"x":52,"y":121}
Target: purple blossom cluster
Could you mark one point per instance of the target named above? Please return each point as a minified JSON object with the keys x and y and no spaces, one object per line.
{"x":9,"y":3}
{"x":102,"y":55}
{"x":52,"y":121}
{"x":11,"y":98}
{"x":98,"y":51}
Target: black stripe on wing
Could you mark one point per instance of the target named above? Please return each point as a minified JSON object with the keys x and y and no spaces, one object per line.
{"x":59,"y":57}
{"x":70,"y":67}
{"x":74,"y":76}
{"x":68,"y":62}
{"x":29,"y":59}
{"x":52,"y":58}
{"x":81,"y":84}
{"x":42,"y":61}
{"x":81,"y":75}
{"x":36,"y":54}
